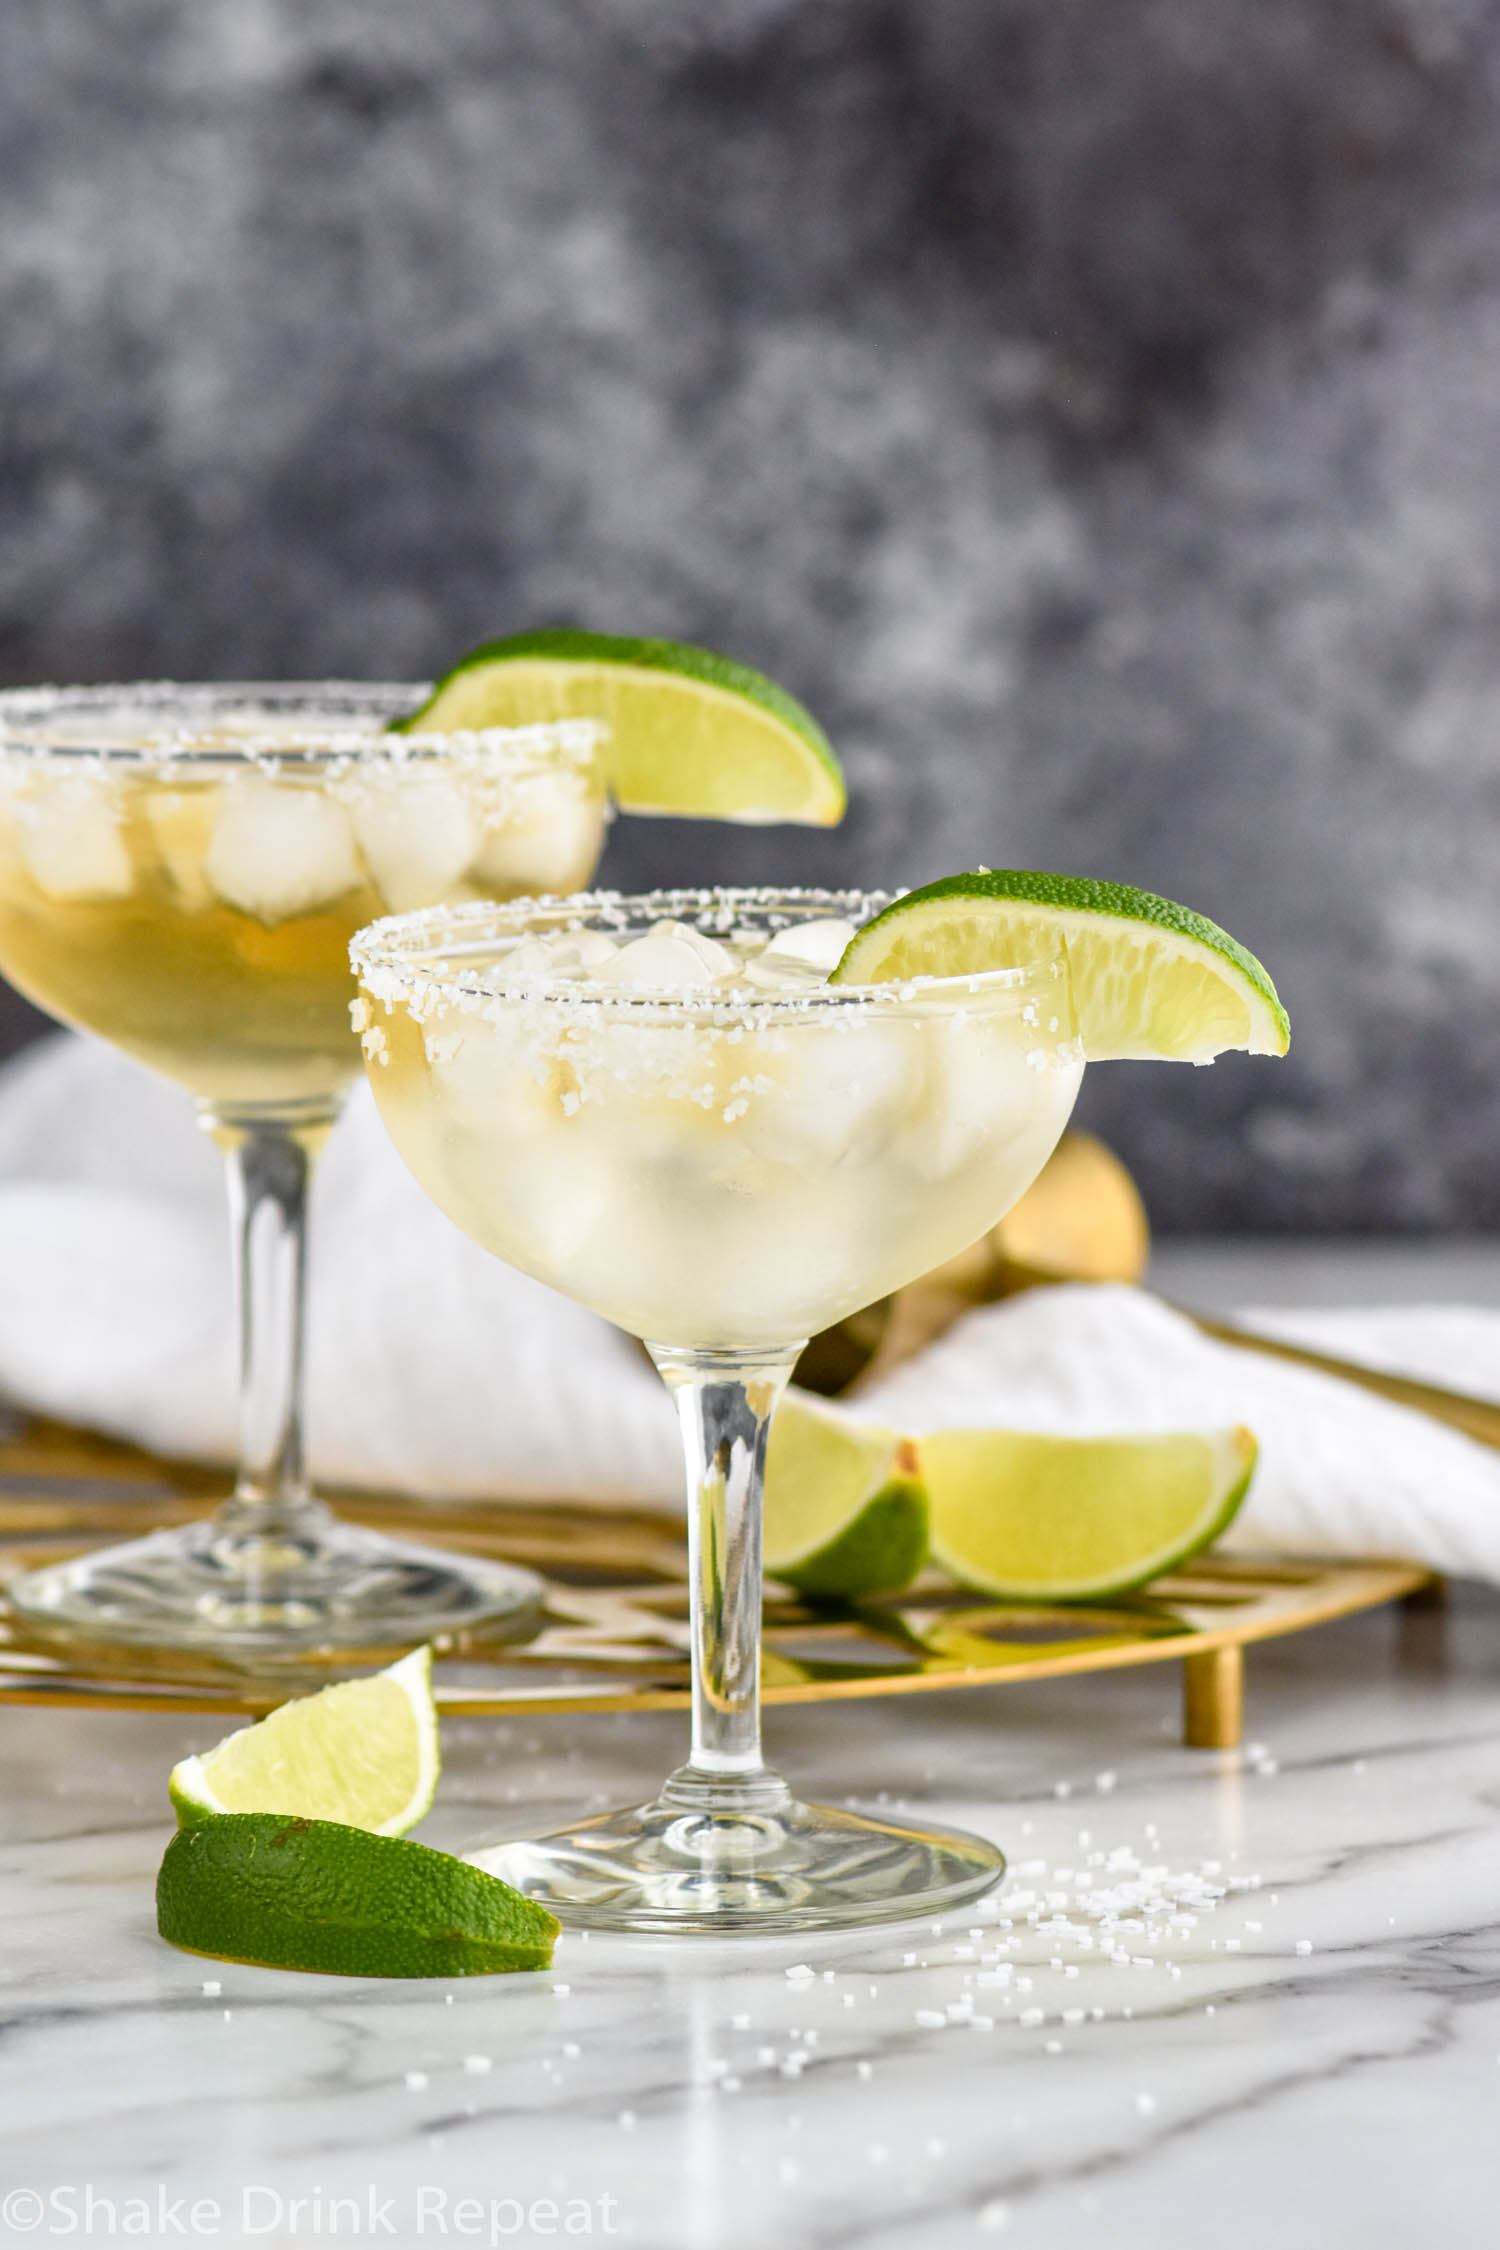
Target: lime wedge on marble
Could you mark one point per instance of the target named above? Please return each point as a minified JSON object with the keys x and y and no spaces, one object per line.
{"x":310,"y":1894}
{"x":363,"y":1752}
{"x":690,"y":732}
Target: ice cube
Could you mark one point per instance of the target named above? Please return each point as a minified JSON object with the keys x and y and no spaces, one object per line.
{"x":552,"y":956}
{"x":499,"y":1073}
{"x":820,"y":944}
{"x":182,"y":825}
{"x":562,"y":1202}
{"x":541,"y":958}
{"x":837,"y":1090}
{"x":669,"y":958}
{"x":547,"y":839}
{"x":72,"y":840}
{"x":416,"y":836}
{"x":280,"y":849}
{"x":989,"y":1089}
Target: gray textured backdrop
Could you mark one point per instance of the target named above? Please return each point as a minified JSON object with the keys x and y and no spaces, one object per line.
{"x":1093,"y":412}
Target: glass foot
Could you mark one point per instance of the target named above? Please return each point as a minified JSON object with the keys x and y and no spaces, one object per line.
{"x":261,"y":1584}
{"x":726,"y":1853}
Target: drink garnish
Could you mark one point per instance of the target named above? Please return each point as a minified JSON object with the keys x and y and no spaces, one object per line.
{"x":1151,"y":980}
{"x":690,"y":732}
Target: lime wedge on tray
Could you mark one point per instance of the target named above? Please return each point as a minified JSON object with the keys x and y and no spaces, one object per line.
{"x":845,"y":1510}
{"x":309,"y":1894}
{"x":1151,"y":980}
{"x":1029,"y":1517}
{"x":363,"y":1752}
{"x":689,"y":732}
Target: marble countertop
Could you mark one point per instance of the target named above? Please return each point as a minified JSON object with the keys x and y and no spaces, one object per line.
{"x":1231,"y":1998}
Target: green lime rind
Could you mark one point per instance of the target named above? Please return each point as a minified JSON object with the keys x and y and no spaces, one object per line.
{"x":878,"y":1553}
{"x":663,"y":755}
{"x":314,"y":1895}
{"x":1028,"y":1517}
{"x":190,"y":1810}
{"x":897,"y":941}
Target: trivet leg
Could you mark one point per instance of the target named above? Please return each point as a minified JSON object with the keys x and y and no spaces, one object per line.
{"x":1213,"y":1699}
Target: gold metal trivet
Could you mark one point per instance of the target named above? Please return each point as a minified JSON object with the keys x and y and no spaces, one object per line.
{"x":614,"y":1633}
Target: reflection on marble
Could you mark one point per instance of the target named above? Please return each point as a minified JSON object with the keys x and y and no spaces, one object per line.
{"x":1312,"y":2059}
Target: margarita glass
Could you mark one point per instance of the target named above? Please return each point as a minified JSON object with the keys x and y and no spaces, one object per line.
{"x":659,"y":1106}
{"x":181,"y":870}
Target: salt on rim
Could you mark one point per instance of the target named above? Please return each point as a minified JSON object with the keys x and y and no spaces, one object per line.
{"x":188,"y":708}
{"x":405,"y":959}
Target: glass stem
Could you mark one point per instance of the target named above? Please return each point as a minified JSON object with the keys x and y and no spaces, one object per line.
{"x":269,"y":1159}
{"x":725,"y":1401}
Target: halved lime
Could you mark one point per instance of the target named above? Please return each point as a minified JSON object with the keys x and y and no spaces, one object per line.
{"x":1037,"y":1518}
{"x":689,"y":732}
{"x":310,"y":1894}
{"x":363,"y":1752}
{"x":845,"y":1509}
{"x":1150,"y":979}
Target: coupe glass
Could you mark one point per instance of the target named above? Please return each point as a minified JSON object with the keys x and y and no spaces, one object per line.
{"x":181,"y":871}
{"x":721,"y":1173}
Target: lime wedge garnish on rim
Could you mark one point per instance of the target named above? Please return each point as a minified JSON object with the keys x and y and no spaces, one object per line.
{"x":363,"y":1752}
{"x":1030,"y":1517}
{"x":689,"y":732}
{"x":308,"y":1894}
{"x":1151,"y":980}
{"x":845,"y":1511}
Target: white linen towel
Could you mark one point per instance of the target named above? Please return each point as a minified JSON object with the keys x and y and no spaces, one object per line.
{"x":438,"y":1371}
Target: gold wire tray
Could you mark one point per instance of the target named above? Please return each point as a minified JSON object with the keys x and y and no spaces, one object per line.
{"x":613,"y":1633}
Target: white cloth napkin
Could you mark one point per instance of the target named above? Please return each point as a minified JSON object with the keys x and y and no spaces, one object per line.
{"x":436,"y":1370}
{"x":432,"y":1368}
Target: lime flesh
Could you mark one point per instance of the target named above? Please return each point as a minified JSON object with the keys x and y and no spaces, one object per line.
{"x":1032,"y":1517}
{"x":363,"y":1753}
{"x":690,"y":732}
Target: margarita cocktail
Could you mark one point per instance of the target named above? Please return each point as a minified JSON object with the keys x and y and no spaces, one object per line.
{"x":661,"y":1107}
{"x":181,"y":870}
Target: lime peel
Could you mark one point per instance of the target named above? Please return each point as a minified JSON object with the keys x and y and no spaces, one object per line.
{"x":319,"y":1896}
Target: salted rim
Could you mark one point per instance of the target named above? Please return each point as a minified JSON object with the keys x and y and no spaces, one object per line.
{"x":386,"y":955}
{"x":25,"y":709}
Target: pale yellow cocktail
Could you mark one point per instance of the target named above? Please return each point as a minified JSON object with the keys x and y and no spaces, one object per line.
{"x":187,"y":884}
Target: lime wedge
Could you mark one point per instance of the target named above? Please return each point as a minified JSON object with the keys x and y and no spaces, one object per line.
{"x":1034,"y":1518}
{"x":308,"y":1894}
{"x":1150,"y":980}
{"x":364,"y":1752}
{"x":845,"y":1510}
{"x":689,"y":732}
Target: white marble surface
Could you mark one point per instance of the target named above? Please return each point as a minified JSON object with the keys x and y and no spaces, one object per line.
{"x":1313,"y":2061}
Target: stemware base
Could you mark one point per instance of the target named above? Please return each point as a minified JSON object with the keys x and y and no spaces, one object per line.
{"x":718,"y":1853}
{"x":262,"y":1582}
